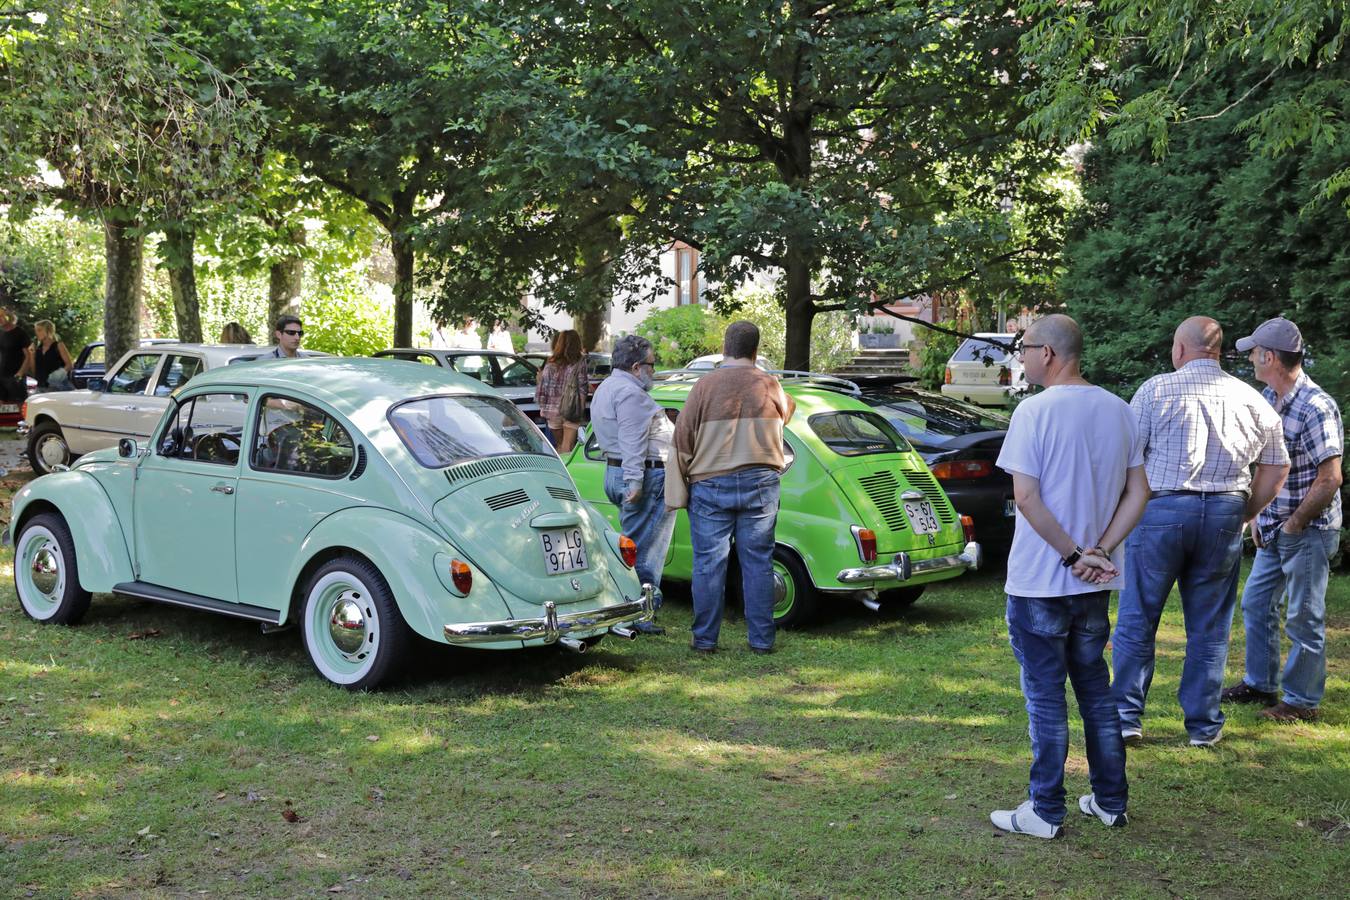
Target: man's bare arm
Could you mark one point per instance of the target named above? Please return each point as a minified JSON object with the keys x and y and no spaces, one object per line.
{"x":1266,"y":483}
{"x":1129,"y":510}
{"x":1320,"y":494}
{"x":1027,"y":495}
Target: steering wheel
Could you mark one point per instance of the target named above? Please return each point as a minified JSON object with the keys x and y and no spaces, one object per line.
{"x":281,"y":442}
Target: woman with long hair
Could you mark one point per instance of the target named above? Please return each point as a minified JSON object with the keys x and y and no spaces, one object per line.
{"x":568,"y":363}
{"x":50,"y":360}
{"x":234,"y":333}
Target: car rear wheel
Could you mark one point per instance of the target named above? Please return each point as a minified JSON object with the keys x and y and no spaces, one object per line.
{"x":46,"y":576}
{"x":795,"y":600}
{"x":353,"y":630}
{"x":47,"y":448}
{"x":901,"y":598}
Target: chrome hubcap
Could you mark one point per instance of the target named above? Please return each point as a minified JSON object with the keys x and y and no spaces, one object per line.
{"x":347,"y":624}
{"x":52,"y":451}
{"x":779,"y":588}
{"x":45,"y":571}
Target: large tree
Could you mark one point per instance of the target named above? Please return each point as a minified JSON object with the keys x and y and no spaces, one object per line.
{"x":860,"y":151}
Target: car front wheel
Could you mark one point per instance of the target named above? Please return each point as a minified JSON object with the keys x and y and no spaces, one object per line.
{"x":353,"y":630}
{"x":47,"y":448}
{"x":46,"y":577}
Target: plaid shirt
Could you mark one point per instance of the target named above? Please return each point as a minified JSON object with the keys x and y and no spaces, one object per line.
{"x":549,"y":389}
{"x":1313,"y":434}
{"x":1202,"y":429}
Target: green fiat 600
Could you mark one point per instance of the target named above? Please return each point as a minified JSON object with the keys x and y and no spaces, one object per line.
{"x":860,"y":517}
{"x":366,"y":501}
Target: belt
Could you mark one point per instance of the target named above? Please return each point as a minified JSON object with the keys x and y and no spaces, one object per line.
{"x":648,"y":464}
{"x":1242,"y":494}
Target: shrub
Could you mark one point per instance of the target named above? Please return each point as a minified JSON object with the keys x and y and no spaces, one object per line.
{"x":831,"y":333}
{"x":681,"y":333}
{"x":937,"y":349}
{"x":51,"y":267}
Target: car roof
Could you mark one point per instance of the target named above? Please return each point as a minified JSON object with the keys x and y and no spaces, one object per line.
{"x":216,"y":355}
{"x":347,"y":383}
{"x":810,"y":398}
{"x":457,"y":350}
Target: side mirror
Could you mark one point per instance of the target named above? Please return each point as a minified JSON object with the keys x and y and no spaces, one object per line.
{"x":126,"y":448}
{"x":96,"y":384}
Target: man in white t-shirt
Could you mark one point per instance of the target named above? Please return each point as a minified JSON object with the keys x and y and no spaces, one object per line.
{"x":1078,"y":478}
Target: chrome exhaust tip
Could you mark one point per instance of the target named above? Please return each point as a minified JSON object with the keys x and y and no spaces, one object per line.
{"x":572,"y":644}
{"x":869,"y":600}
{"x":623,"y":631}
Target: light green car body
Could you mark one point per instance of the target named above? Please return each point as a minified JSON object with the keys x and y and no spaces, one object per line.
{"x":245,"y":541}
{"x":824,"y":497}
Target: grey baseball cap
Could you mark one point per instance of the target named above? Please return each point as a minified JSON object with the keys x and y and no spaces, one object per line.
{"x":1274,"y":334}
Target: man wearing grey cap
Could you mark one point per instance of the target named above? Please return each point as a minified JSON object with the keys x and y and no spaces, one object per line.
{"x":1296,"y":535}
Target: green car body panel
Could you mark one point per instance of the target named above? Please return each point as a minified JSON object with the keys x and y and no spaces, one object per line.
{"x":246,"y":540}
{"x":823,"y":494}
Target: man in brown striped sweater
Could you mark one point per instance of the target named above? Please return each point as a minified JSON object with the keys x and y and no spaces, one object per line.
{"x":724,"y":466}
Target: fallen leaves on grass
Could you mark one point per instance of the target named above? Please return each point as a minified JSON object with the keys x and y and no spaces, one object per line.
{"x":140,"y":635}
{"x":290,"y":815}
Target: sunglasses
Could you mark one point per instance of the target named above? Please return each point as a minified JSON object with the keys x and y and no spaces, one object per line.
{"x":294,"y":332}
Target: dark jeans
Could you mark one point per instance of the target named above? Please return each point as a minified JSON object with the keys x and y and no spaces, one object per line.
{"x":744,"y":504}
{"x":1195,"y":542}
{"x":1055,"y":638}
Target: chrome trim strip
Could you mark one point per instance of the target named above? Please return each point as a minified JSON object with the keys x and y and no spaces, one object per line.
{"x":554,"y":625}
{"x":902,"y":568}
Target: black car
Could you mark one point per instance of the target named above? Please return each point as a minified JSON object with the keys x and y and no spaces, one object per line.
{"x":960,"y":442}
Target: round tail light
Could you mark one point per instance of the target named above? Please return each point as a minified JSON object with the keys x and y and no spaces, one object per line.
{"x":627,"y":551}
{"x":461,"y":576}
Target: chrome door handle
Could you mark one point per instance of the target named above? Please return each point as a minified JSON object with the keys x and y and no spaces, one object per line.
{"x":223,"y":489}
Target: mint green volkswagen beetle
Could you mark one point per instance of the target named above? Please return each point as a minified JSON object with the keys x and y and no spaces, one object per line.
{"x":364,"y":500}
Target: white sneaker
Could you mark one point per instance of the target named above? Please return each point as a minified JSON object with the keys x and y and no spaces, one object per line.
{"x":1023,"y":820}
{"x":1088,"y":804}
{"x":1208,"y":742}
{"x":1132,"y":737}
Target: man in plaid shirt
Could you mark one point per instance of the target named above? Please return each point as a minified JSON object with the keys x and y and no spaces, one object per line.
{"x":1296,"y":536}
{"x":1201,"y":431}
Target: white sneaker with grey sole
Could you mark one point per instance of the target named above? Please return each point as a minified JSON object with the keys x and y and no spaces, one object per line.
{"x":1088,"y":804}
{"x":1024,"y":820}
{"x":1132,"y":737}
{"x":1208,"y":742}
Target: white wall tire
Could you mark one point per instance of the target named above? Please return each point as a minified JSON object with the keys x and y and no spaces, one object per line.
{"x":352,"y":628}
{"x":46,"y":576}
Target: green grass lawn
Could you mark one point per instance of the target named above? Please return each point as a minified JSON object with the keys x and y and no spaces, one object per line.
{"x":156,"y":751}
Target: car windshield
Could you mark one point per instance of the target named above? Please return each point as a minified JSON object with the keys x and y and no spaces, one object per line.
{"x":977,"y":350}
{"x":850,"y":433}
{"x":931,"y":420}
{"x":442,"y":431}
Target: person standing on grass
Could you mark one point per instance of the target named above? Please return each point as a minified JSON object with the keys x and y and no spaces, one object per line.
{"x":567,"y":364}
{"x":1078,"y":479}
{"x":634,"y":434}
{"x":727,"y":459}
{"x":1202,"y":430}
{"x":1295,"y":536}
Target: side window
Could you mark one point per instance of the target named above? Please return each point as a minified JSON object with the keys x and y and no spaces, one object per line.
{"x":177,"y":371}
{"x":474,"y":366}
{"x":133,"y":377}
{"x":206,"y":428}
{"x":293,"y":436}
{"x":95,"y":356}
{"x":518,"y":373}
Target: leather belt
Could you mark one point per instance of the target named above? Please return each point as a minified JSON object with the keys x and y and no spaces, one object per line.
{"x":1242,"y":494}
{"x":648,"y":464}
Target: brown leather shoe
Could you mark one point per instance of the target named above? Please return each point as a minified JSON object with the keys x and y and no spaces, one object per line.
{"x":1242,"y":692}
{"x":1283,"y":712}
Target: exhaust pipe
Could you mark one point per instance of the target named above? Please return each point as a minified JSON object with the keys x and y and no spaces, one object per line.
{"x":869,"y":600}
{"x":572,"y":644}
{"x":623,"y":631}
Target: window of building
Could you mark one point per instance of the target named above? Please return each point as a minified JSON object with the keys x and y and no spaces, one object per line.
{"x":686,"y":275}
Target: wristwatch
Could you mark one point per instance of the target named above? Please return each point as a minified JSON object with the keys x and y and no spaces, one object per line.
{"x":1072,"y":557}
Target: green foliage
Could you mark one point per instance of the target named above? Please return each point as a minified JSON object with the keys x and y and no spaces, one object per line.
{"x":1216,"y":228}
{"x":831,"y":333}
{"x":681,"y":333}
{"x":938,"y":347}
{"x":51,"y":267}
{"x":341,"y":317}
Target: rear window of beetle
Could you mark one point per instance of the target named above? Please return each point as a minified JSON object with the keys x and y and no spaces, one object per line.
{"x":441,"y":431}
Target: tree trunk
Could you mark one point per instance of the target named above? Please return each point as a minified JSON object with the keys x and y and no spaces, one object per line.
{"x":286,"y":280}
{"x":179,"y":245}
{"x":597,"y":284}
{"x":591,"y":325}
{"x":800,"y":311}
{"x":123,"y":249}
{"x":403,"y":290}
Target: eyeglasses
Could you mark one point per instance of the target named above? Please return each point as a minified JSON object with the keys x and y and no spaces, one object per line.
{"x":294,"y":332}
{"x":1026,"y":347}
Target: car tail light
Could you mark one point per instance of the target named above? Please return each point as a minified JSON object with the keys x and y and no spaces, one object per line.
{"x":866,"y":539}
{"x":968,"y":526}
{"x":947,"y":375}
{"x":461,"y":575}
{"x":958,"y":469}
{"x":1005,"y":376}
{"x":23,"y":411}
{"x":627,"y":551}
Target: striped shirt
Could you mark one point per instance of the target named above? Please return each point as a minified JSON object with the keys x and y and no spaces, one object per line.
{"x":1202,"y":429}
{"x":1314,"y":434}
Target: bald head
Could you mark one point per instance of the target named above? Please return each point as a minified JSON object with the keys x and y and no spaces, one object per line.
{"x":1060,"y":333}
{"x":1199,"y":337}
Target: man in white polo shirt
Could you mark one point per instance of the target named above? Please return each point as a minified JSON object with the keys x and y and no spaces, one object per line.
{"x":1078,"y":479}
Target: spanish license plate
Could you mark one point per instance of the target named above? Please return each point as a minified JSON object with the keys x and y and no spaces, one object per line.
{"x":921,"y":517}
{"x":1009,"y":506}
{"x":564,"y":551}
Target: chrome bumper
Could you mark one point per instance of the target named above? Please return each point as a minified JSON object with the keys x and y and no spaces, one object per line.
{"x":902,"y":568}
{"x":22,"y":428}
{"x":554,"y":626}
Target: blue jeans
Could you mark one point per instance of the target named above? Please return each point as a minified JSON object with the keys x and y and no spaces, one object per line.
{"x":1295,"y":565}
{"x":1054,"y":638}
{"x":743,"y":504}
{"x":648,"y":522}
{"x":1195,"y":542}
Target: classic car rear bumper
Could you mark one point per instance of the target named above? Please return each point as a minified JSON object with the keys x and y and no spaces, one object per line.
{"x":902,"y":568}
{"x":22,"y":427}
{"x":553,"y":625}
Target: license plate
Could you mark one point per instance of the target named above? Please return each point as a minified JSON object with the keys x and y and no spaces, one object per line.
{"x":921,"y":517}
{"x":564,"y":551}
{"x":9,"y":407}
{"x":1009,"y":507}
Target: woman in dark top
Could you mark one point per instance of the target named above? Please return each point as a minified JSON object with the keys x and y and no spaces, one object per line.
{"x":50,"y":360}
